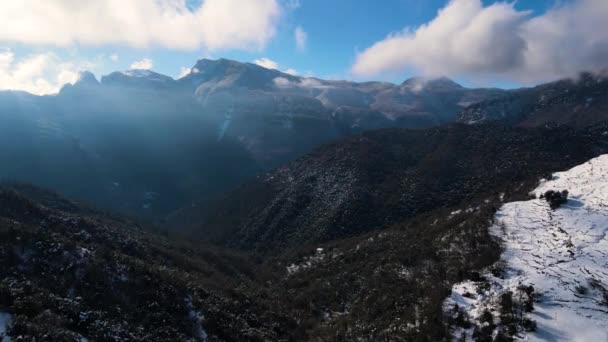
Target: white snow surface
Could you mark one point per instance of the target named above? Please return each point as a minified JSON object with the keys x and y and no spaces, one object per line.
{"x":563,"y":253}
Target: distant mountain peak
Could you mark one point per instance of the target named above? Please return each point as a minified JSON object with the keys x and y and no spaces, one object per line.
{"x":213,"y":65}
{"x":138,"y":73}
{"x":233,"y":73}
{"x":85,"y":80}
{"x":136,"y":76}
{"x":422,"y":83}
{"x":86,"y":77}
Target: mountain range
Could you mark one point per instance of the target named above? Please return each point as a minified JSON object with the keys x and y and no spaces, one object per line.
{"x":240,"y":203}
{"x":145,"y":143}
{"x":575,"y":102}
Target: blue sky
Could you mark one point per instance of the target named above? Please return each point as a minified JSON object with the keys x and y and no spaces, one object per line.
{"x":339,"y":39}
{"x":336,"y":30}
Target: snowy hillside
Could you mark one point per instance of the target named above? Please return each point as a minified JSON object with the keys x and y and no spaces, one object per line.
{"x":562,"y":253}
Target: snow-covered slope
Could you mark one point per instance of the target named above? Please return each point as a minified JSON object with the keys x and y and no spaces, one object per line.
{"x":562,"y":253}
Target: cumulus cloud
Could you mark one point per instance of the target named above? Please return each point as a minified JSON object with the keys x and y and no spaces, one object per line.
{"x":301,"y":38}
{"x":282,"y":82}
{"x":39,"y":74}
{"x":267,"y":63}
{"x":308,"y":82}
{"x":497,"y":41}
{"x":114,"y":57}
{"x":214,"y":24}
{"x":144,"y":64}
{"x":270,"y":64}
{"x":183,"y":72}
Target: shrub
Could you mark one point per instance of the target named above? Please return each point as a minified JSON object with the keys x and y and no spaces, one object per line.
{"x":528,"y":324}
{"x":528,"y":301}
{"x":486,"y":317}
{"x":461,"y":320}
{"x":555,"y":198}
{"x":581,"y":289}
{"x":502,"y":336}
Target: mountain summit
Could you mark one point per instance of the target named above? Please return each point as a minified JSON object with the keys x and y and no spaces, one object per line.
{"x":137,"y":78}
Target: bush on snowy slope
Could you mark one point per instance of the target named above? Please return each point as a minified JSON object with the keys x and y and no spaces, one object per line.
{"x":555,"y":198}
{"x":561,"y":252}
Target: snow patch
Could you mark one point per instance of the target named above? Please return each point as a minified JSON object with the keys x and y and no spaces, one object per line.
{"x":5,"y":321}
{"x":197,"y":318}
{"x":563,"y":253}
{"x":307,"y":263}
{"x":225,"y":124}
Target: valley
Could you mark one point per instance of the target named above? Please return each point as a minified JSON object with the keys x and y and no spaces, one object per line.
{"x":303,"y":171}
{"x":239,"y":203}
{"x":335,"y":284}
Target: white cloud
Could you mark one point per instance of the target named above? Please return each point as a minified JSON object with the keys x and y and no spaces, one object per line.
{"x":183,"y":72}
{"x":114,"y":57}
{"x":267,"y":63}
{"x":282,"y":82}
{"x":270,"y":64}
{"x":301,"y":38}
{"x":215,"y":24}
{"x":497,"y":41}
{"x":291,"y":71}
{"x":144,"y":64}
{"x":38,"y":74}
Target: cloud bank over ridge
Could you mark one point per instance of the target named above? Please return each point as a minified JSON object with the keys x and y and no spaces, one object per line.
{"x":497,"y":41}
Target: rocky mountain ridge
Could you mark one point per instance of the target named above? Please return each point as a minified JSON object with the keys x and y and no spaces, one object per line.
{"x":110,"y":141}
{"x":575,"y":102}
